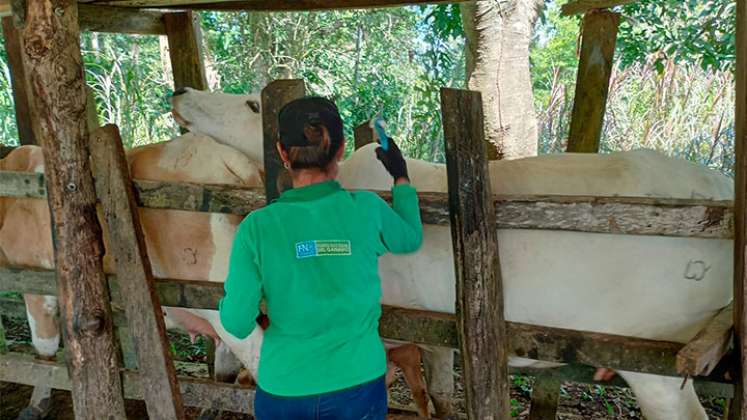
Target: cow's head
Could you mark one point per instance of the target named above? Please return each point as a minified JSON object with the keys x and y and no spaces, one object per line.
{"x":234,"y":120}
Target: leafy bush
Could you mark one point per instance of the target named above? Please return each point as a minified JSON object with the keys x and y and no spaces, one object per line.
{"x":683,"y":108}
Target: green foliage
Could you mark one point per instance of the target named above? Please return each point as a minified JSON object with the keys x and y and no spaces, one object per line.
{"x":8,"y":129}
{"x":130,"y":85}
{"x":392,"y":61}
{"x":515,"y":407}
{"x":673,"y":102}
{"x":553,"y":56}
{"x":445,"y":20}
{"x":700,"y":31}
{"x":389,"y":61}
{"x":670,"y":88}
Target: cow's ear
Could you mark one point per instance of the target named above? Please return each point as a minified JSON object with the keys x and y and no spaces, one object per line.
{"x":253,"y":105}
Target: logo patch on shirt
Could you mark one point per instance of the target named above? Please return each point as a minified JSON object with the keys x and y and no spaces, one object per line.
{"x":307,"y":249}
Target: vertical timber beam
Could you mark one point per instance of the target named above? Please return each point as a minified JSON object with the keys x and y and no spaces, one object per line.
{"x":184,"y":35}
{"x":480,"y":324}
{"x":3,"y":343}
{"x":135,"y":276}
{"x":545,"y":396}
{"x":13,"y":46}
{"x":599,"y":35}
{"x":363,"y":135}
{"x":739,"y":403}
{"x":51,"y":56}
{"x":274,"y":96}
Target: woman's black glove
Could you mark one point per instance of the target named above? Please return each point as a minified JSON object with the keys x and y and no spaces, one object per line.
{"x":392,"y":160}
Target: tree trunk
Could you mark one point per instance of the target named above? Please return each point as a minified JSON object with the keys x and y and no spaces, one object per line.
{"x":498,"y":34}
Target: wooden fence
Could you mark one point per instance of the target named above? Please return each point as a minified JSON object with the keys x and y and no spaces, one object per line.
{"x":62,"y":136}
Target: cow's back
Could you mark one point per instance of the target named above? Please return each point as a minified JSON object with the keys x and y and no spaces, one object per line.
{"x":646,"y":286}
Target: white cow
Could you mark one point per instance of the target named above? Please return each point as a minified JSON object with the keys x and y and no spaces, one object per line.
{"x":649,"y":287}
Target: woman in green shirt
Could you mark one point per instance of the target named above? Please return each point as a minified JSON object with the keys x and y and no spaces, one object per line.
{"x":312,"y":255}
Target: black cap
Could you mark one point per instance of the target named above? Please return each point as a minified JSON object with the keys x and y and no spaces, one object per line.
{"x":314,"y":110}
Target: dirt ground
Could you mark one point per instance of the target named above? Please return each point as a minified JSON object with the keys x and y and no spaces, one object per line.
{"x":576,"y":401}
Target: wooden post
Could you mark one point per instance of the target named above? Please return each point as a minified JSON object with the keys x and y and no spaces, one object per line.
{"x":51,"y":56}
{"x":545,"y":396}
{"x":3,"y":343}
{"x":274,"y":96}
{"x":739,"y":403}
{"x":363,"y":135}
{"x":13,"y":46}
{"x":184,"y":35}
{"x":599,"y":34}
{"x":210,"y":357}
{"x":126,"y":347}
{"x":480,"y":324}
{"x":143,"y":308}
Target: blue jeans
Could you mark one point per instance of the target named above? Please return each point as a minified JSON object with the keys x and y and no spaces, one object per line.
{"x":362,"y":402}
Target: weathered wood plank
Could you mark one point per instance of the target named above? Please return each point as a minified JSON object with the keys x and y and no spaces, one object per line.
{"x":480,"y":325}
{"x":202,"y":198}
{"x":54,"y":69}
{"x":192,"y":294}
{"x":594,"y":349}
{"x":23,"y":369}
{"x":22,"y":185}
{"x":363,"y":135}
{"x":576,"y":7}
{"x":96,"y":18}
{"x":738,"y":407}
{"x":126,"y":343}
{"x":598,"y":38}
{"x":274,"y":96}
{"x":102,"y":18}
{"x":701,"y":355}
{"x":714,"y":385}
{"x":631,"y":216}
{"x":185,"y":50}
{"x":618,"y":215}
{"x":3,"y":344}
{"x":127,"y":245}
{"x":545,"y":396}
{"x":21,"y":100}
{"x":268,"y":5}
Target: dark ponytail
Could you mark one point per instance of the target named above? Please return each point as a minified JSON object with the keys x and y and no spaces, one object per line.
{"x":311,"y":132}
{"x":319,"y":152}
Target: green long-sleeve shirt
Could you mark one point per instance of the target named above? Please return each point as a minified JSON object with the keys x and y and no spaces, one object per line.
{"x":313,"y":256}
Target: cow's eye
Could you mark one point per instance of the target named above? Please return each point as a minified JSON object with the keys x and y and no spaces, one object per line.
{"x":253,"y":105}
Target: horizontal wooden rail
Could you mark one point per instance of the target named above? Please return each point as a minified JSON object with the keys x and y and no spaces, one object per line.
{"x":615,"y":215}
{"x":268,"y":5}
{"x":422,"y":327}
{"x":120,"y":20}
{"x":714,"y":386}
{"x":24,"y":369}
{"x":575,"y":7}
{"x":100,"y":18}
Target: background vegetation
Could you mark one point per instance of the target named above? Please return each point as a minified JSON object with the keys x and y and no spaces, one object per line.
{"x":672,"y":87}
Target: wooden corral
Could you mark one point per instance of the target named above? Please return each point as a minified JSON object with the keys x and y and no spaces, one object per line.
{"x":67,"y":143}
